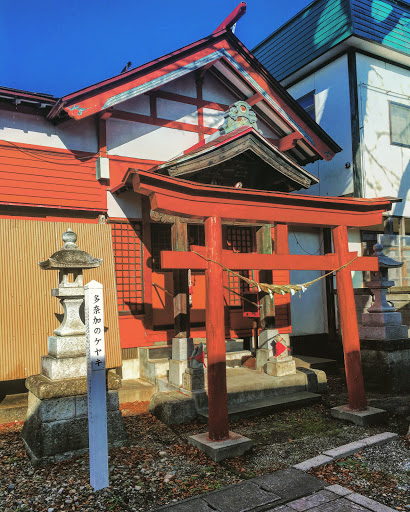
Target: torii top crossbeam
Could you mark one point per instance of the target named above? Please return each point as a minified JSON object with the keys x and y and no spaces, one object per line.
{"x":195,"y":200}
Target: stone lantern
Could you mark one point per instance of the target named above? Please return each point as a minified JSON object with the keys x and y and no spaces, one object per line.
{"x":69,"y":339}
{"x":382,"y":321}
{"x":384,"y":342}
{"x":56,"y":425}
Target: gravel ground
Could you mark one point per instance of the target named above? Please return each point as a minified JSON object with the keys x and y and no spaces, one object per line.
{"x":159,"y":467}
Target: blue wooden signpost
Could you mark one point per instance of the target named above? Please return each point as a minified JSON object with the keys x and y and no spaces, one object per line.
{"x":96,"y":386}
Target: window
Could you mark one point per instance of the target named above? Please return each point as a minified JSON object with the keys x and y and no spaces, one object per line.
{"x":127,"y":245}
{"x":160,"y":241}
{"x":239,"y":239}
{"x":399,"y":124}
{"x":307,"y":102}
{"x":196,"y":235}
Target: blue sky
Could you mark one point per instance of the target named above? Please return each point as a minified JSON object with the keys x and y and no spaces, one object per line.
{"x":60,"y":46}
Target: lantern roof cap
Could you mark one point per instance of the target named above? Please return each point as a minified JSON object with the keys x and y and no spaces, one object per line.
{"x":70,"y":256}
{"x":385,"y":261}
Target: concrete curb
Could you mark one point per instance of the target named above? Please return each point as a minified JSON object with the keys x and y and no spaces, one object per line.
{"x":345,"y":450}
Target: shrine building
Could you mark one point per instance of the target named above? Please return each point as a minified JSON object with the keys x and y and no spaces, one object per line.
{"x":135,"y":165}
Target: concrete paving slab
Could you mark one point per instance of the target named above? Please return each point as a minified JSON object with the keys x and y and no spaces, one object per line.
{"x":340,"y":505}
{"x":282,"y":508}
{"x":240,"y":498}
{"x":313,"y":462}
{"x":371,"y":416}
{"x":312,"y":501}
{"x":235,"y":446}
{"x":379,"y":439}
{"x":375,"y":506}
{"x":345,"y":449}
{"x":338,"y":489}
{"x":290,"y":484}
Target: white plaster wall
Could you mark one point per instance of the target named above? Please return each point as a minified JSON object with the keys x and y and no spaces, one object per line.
{"x":127,"y":205}
{"x":308,"y":314}
{"x":213,"y":90}
{"x":185,"y":85}
{"x":176,"y":111}
{"x":385,"y":167}
{"x":355,"y":245}
{"x":137,"y":105}
{"x":137,"y":140}
{"x":213,"y":118}
{"x":28,"y":129}
{"x":332,"y":104}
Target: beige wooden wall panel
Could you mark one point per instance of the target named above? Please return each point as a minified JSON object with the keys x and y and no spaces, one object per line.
{"x":28,"y":312}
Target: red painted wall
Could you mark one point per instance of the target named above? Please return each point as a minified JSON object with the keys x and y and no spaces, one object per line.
{"x":35,"y":176}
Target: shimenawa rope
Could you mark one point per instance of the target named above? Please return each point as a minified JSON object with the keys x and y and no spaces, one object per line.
{"x":276,"y":288}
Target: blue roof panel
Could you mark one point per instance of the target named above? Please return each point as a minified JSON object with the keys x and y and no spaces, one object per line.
{"x":325,"y":23}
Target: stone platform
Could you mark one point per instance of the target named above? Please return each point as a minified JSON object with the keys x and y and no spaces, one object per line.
{"x":249,"y":393}
{"x":56,"y":424}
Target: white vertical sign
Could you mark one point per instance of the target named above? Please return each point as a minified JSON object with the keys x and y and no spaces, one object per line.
{"x":96,"y":387}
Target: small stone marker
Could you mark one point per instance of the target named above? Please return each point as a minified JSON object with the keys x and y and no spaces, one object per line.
{"x":97,"y":402}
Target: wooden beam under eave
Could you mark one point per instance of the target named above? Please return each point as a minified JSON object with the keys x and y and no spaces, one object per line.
{"x":256,"y":98}
{"x":289,"y":141}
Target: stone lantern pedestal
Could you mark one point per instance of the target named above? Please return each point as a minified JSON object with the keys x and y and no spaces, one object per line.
{"x":384,"y":342}
{"x":56,"y":425}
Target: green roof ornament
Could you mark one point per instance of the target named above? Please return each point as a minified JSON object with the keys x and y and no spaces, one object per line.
{"x":239,"y":114}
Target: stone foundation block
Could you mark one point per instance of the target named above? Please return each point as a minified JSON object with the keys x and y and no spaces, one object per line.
{"x":176,"y":372}
{"x":281,"y":367}
{"x":66,"y":368}
{"x":381,"y":319}
{"x":182,"y":348}
{"x":172,"y":407}
{"x":387,"y":332}
{"x":266,"y":340}
{"x":370,"y":416}
{"x":262,"y":357}
{"x":42,"y":387}
{"x":57,"y":429}
{"x":386,"y":365}
{"x":194,"y":379}
{"x":235,"y":446}
{"x":70,"y":346}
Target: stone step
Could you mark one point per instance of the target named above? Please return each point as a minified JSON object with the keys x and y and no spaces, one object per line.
{"x":13,"y":408}
{"x":316,"y":363}
{"x":135,"y":390}
{"x":151,"y":369}
{"x":267,"y":405}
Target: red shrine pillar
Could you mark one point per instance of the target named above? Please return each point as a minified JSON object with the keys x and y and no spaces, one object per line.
{"x":215,"y":333}
{"x":348,"y":322}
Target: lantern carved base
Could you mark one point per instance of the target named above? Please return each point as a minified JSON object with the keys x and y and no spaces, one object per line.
{"x":56,"y":425}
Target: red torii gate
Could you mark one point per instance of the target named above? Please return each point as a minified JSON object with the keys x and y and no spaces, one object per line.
{"x":216,"y":203}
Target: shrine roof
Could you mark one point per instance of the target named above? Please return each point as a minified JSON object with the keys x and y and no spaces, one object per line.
{"x":222,"y":54}
{"x":229,"y":150}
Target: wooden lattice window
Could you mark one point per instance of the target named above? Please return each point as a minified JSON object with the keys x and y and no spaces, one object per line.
{"x":196,"y":235}
{"x":160,"y":241}
{"x":239,"y":239}
{"x":127,"y":245}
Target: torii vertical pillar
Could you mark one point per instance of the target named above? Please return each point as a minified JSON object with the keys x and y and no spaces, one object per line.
{"x":357,"y":410}
{"x":219,"y":443}
{"x":215,"y":333}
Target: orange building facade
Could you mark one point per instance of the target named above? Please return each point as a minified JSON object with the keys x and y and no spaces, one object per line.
{"x":65,"y":161}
